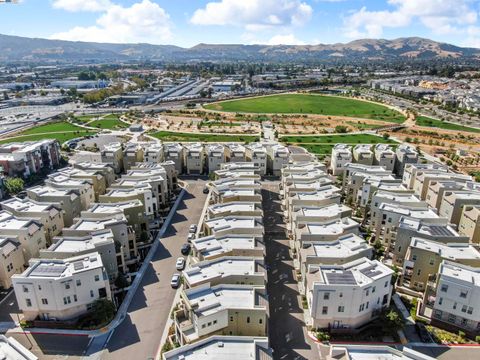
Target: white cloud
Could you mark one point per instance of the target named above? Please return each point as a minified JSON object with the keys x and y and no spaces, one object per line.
{"x":144,"y":21}
{"x":440,"y":16}
{"x":473,"y":37}
{"x":254,"y":14}
{"x":82,"y":5}
{"x":288,"y":39}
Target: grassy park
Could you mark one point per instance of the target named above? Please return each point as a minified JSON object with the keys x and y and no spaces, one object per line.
{"x":191,"y":137}
{"x":310,"y":104}
{"x":333,"y":139}
{"x":426,"y":121}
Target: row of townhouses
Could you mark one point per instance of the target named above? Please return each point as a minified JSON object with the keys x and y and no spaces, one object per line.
{"x":343,"y":286}
{"x":223,"y":308}
{"x":427,"y":220}
{"x":66,"y":242}
{"x":190,"y":158}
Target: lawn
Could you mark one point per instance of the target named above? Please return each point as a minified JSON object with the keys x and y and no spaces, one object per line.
{"x":333,"y":139}
{"x":363,"y":126}
{"x":426,"y":121}
{"x":310,"y":104}
{"x":108,"y":123}
{"x":61,"y":137}
{"x":61,"y":126}
{"x":318,"y":149}
{"x":191,"y":137}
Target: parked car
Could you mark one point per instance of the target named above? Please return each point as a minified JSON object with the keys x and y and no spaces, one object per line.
{"x":193,"y":229}
{"x":190,"y":237}
{"x":180,"y":264}
{"x":175,"y":282}
{"x":206,"y":190}
{"x":185,"y":249}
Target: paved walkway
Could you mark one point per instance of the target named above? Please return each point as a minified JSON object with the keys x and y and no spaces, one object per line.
{"x":287,"y":330}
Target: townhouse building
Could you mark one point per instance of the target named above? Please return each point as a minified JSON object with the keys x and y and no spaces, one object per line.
{"x":457,"y":290}
{"x":404,"y":154}
{"x":93,"y":170}
{"x":436,"y":191}
{"x":235,"y":153}
{"x":256,"y":153}
{"x":11,"y":260}
{"x":423,"y":259}
{"x":226,"y":195}
{"x":435,"y":229}
{"x":141,"y":193}
{"x":112,"y":154}
{"x":215,"y":155}
{"x":217,"y":346}
{"x":383,"y":155}
{"x":84,"y":187}
{"x":243,"y":225}
{"x":95,"y":178}
{"x":238,"y":270}
{"x":423,"y":179}
{"x":454,"y":201}
{"x":153,"y":153}
{"x":194,"y":159}
{"x":100,"y":241}
{"x":311,"y":214}
{"x":371,"y":352}
{"x":363,"y":154}
{"x":132,"y":154}
{"x":341,"y":156}
{"x":278,"y":156}
{"x":68,"y":200}
{"x":213,"y":247}
{"x":221,"y":310}
{"x":28,"y":232}
{"x":469,"y":224}
{"x":410,"y":172}
{"x":61,"y":289}
{"x":13,"y":350}
{"x":348,"y":296}
{"x":49,"y":215}
{"x":235,"y":208}
{"x":174,"y":152}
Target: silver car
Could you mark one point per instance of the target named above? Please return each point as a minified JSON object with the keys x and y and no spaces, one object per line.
{"x":175,"y":282}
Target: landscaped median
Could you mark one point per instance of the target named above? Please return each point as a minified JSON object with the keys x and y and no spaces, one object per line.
{"x":197,"y":137}
{"x":310,"y":104}
{"x":434,"y":123}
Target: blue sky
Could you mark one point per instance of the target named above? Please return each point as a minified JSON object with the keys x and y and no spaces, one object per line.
{"x":189,"y":22}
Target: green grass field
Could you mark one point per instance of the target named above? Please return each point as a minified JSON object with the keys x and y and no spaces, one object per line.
{"x":61,"y":137}
{"x":310,"y":104}
{"x":189,"y":137}
{"x":318,"y":149}
{"x":334,"y":139}
{"x":52,"y":127}
{"x":108,"y":124}
{"x":363,"y":126}
{"x":426,"y":121}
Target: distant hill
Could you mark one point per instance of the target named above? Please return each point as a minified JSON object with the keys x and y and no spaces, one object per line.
{"x":15,"y":48}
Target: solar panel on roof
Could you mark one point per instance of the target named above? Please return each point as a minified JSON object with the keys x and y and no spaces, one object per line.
{"x":440,"y":230}
{"x":48,"y":270}
{"x":78,"y":265}
{"x":341,"y":278}
{"x":370,"y":271}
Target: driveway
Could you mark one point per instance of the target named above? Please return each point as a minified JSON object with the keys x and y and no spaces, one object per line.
{"x":138,"y":337}
{"x":287,"y":330}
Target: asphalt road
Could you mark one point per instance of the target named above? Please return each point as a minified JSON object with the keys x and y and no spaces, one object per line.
{"x":287,"y":330}
{"x":138,"y":337}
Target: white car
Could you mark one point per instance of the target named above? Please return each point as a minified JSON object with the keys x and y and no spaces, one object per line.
{"x":175,"y":282}
{"x":180,"y":264}
{"x":190,"y":237}
{"x":193,"y":229}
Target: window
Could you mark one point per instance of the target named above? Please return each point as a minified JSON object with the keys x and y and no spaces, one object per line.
{"x":464,"y":321}
{"x":454,"y":305}
{"x":326,"y":296}
{"x":325,"y":310}
{"x":75,"y":298}
{"x":67,"y":286}
{"x":340,"y":295}
{"x":209,"y":323}
{"x":419,"y":271}
{"x":91,"y":293}
{"x":463,"y":294}
{"x":432,"y":261}
{"x":470,"y":310}
{"x":28,"y":302}
{"x":464,"y":308}
{"x":440,"y":301}
{"x":66,"y":300}
{"x":231,"y":318}
{"x":97,"y":278}
{"x":367,"y":292}
{"x":260,"y":321}
{"x":214,"y":322}
{"x":79,"y":282}
{"x":386,"y":284}
{"x":361,"y":307}
{"x":341,"y":309}
{"x":39,"y":287}
{"x":248,"y":319}
{"x":444,"y":288}
{"x":414,"y":257}
{"x":25,"y":289}
{"x":44,"y":301}
{"x":451,"y":318}
{"x":203,"y":326}
{"x":373,"y":289}
{"x":366,"y":306}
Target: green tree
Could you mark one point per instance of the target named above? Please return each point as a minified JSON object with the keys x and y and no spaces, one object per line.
{"x":121,"y":281}
{"x":103,"y":311}
{"x":14,"y":185}
{"x":341,"y":129}
{"x":386,"y":136}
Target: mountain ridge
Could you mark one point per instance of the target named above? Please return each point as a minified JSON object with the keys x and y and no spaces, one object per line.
{"x":16,"y":48}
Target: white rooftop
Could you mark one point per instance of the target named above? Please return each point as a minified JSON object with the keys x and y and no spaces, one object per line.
{"x":462,"y":272}
{"x":211,"y":245}
{"x":450,"y":251}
